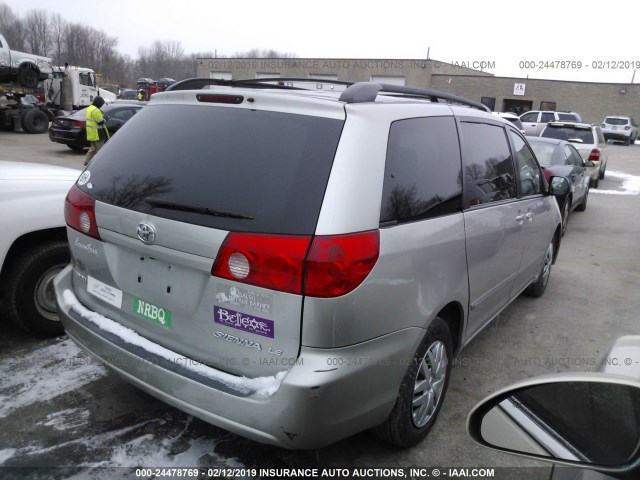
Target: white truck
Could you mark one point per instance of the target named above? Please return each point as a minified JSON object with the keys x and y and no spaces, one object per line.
{"x":66,"y":89}
{"x":24,"y":68}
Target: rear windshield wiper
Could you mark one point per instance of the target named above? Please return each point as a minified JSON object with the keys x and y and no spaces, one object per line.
{"x":188,"y":208}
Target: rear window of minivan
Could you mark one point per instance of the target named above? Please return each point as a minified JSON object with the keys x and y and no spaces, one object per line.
{"x":569,"y":133}
{"x":228,"y":168}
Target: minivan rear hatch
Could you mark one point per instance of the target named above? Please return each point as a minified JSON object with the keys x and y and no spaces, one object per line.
{"x":176,"y":183}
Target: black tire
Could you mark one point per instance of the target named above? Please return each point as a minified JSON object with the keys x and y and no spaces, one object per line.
{"x":76,"y":148}
{"x":406,"y":425}
{"x":627,"y":141}
{"x":29,"y":76}
{"x":595,"y":183}
{"x":537,"y":288}
{"x":29,"y":288}
{"x":35,"y":121}
{"x":601,"y":174}
{"x":583,"y":204}
{"x":566,"y":210}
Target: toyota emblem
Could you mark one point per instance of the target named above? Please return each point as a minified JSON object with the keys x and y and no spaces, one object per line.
{"x":146,"y":233}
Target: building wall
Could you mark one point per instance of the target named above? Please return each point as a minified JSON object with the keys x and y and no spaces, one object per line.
{"x":417,"y":72}
{"x":592,"y":100}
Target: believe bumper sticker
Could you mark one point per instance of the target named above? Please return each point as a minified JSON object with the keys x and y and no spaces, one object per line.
{"x":243,"y":321}
{"x":152,"y":312}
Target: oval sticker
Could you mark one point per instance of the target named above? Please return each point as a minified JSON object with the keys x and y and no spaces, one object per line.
{"x":84,"y":178}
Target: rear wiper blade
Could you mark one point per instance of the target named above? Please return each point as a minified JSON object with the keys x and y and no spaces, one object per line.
{"x":188,"y":208}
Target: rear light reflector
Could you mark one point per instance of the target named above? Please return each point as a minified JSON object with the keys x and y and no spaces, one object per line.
{"x":328,"y":266}
{"x":77,"y":124}
{"x":604,"y":126}
{"x":627,"y":127}
{"x":594,"y":156}
{"x":336,"y":265}
{"x":79,"y":212}
{"x":269,"y":261}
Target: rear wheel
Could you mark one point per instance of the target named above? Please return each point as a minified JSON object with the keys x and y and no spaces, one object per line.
{"x":595,"y":183}
{"x":29,"y":294}
{"x":422,"y":390}
{"x":537,"y":288}
{"x":28,"y":76}
{"x":627,"y":141}
{"x":76,"y":148}
{"x":35,"y":121}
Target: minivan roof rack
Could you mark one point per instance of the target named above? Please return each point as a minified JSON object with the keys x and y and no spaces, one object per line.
{"x":368,"y":91}
{"x":354,"y":93}
{"x":199,"y":83}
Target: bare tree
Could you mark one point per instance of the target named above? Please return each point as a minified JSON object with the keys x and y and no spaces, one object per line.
{"x":58,"y":26}
{"x":264,"y":53}
{"x":37,"y":31}
{"x":11,"y":27}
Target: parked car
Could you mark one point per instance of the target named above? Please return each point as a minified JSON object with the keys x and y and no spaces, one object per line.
{"x":623,"y":129}
{"x":585,"y":423}
{"x":267,"y":259}
{"x":128,"y":94}
{"x":534,"y":121}
{"x":71,"y":131}
{"x":560,"y":158}
{"x":587,"y":139}
{"x":513,"y":118}
{"x":33,"y":244}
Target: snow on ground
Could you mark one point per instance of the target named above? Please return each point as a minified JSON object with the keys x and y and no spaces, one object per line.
{"x":67,"y":419}
{"x":630,"y":184}
{"x":45,"y":374}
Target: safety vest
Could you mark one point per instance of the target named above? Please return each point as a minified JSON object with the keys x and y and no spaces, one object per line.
{"x":94,"y":115}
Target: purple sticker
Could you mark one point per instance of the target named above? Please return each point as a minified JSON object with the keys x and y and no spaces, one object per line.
{"x":243,"y":321}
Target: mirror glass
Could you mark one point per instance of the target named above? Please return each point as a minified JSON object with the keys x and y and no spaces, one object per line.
{"x":559,"y":186}
{"x":589,"y":422}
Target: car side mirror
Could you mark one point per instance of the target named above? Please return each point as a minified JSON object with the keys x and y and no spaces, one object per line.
{"x":559,"y":186}
{"x":583,"y":419}
{"x":590,"y":164}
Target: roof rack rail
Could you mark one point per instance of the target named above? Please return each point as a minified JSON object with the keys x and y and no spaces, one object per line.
{"x":368,"y":91}
{"x":199,"y":83}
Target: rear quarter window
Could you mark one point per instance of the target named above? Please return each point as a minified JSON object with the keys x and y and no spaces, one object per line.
{"x":423,"y":172}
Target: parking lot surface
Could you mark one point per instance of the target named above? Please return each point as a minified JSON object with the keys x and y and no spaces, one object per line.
{"x":65,"y":416}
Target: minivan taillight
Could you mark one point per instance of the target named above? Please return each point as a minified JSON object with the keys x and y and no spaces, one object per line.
{"x":79,"y":212}
{"x":594,"y":156}
{"x":269,"y":261}
{"x":336,"y":265}
{"x":328,"y":266}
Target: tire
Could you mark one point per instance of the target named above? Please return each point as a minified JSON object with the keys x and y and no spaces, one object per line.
{"x":601,"y":174}
{"x":627,"y":141}
{"x":76,"y":148}
{"x":35,"y":121}
{"x":29,"y":294}
{"x":595,"y":183}
{"x":422,"y":390}
{"x":537,"y":288}
{"x":566,"y":210}
{"x":583,"y":204}
{"x":29,"y":76}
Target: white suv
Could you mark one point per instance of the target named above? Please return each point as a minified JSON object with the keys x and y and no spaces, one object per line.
{"x":534,"y":121}
{"x":623,"y":129}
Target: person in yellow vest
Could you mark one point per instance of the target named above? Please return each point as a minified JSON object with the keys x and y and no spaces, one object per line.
{"x":94,"y":126}
{"x":140,"y":95}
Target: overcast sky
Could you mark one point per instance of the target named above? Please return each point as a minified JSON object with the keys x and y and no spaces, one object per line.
{"x":500,"y":33}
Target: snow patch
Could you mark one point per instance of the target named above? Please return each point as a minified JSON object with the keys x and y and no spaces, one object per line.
{"x":6,"y":454}
{"x":44,"y":374}
{"x":262,"y":387}
{"x":630,"y":184}
{"x":67,"y":419}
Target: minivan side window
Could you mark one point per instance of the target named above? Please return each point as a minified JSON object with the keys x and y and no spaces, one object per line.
{"x":489,"y":173}
{"x":423,"y":172}
{"x":528,"y":168}
{"x":529,"y":117}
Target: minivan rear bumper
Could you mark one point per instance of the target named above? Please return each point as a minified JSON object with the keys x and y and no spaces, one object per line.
{"x":326,"y":395}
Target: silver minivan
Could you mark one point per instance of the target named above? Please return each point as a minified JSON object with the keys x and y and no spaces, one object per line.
{"x":298,"y":266}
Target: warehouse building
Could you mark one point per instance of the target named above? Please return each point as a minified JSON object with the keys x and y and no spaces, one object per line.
{"x":593,"y":101}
